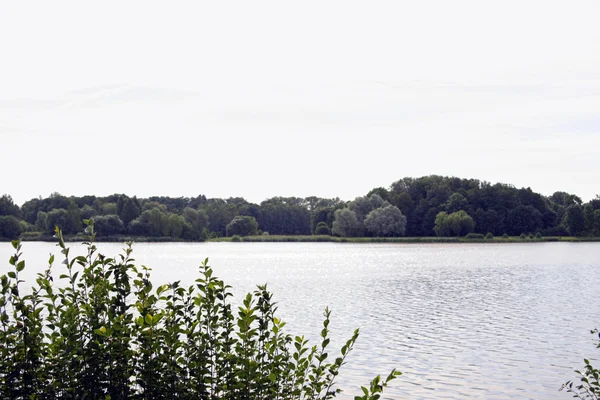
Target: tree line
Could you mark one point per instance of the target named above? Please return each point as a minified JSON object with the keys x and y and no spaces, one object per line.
{"x":425,"y":206}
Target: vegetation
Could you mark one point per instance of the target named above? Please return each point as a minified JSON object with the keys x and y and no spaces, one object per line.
{"x":409,"y":207}
{"x":589,"y":377}
{"x":103,"y":331}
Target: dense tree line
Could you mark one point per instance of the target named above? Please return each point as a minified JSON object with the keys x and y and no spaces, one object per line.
{"x":426,"y":206}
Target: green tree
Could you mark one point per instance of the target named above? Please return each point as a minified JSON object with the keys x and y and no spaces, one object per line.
{"x":456,"y":224}
{"x":109,"y":209}
{"x":345,"y":224}
{"x":242,"y":226}
{"x":88,"y":212}
{"x":386,"y":221}
{"x":322,"y":229}
{"x":575,"y":220}
{"x":176,"y":223}
{"x":61,"y":218}
{"x":130,"y":210}
{"x":41,"y":222}
{"x":10,"y":227}
{"x":74,"y":217}
{"x":108,"y":225}
{"x":8,"y":206}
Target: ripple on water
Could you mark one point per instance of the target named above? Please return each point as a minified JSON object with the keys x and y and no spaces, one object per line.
{"x":481,"y":321}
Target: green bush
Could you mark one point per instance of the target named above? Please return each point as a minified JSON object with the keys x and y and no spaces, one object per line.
{"x":105,"y":332}
{"x":523,"y":236}
{"x":538,"y":235}
{"x":322,"y":229}
{"x":236,"y":238}
{"x":531,"y":236}
{"x":589,"y":387}
{"x":505,"y":236}
{"x":489,"y":236}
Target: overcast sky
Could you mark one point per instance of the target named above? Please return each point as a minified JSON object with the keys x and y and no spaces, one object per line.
{"x":326,"y":98}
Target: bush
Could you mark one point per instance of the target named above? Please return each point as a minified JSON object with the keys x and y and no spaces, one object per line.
{"x":523,"y":237}
{"x":322,"y":229}
{"x":505,"y":236}
{"x":10,"y":227}
{"x":236,"y":238}
{"x":538,"y":235}
{"x":475,"y":236}
{"x":242,"y":225}
{"x":589,"y":388}
{"x":530,"y":236}
{"x":108,"y":333}
{"x":489,"y":236}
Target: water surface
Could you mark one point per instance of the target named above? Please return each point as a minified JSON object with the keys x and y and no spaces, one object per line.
{"x":488,"y":321}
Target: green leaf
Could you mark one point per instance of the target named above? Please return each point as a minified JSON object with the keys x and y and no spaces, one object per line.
{"x":21,"y":266}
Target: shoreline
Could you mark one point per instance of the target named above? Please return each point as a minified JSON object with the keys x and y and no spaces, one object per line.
{"x":312,"y":239}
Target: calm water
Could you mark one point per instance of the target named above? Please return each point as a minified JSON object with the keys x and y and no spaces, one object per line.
{"x":486,"y":321}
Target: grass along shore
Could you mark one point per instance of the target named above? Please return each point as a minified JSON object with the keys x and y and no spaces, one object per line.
{"x":39,"y":237}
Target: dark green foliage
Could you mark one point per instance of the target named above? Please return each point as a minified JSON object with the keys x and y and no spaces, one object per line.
{"x":494,"y":208}
{"x":523,"y":236}
{"x":108,"y":225}
{"x":505,"y":236}
{"x":61,"y":218}
{"x":589,"y":379}
{"x":538,"y":235}
{"x":322,"y":229}
{"x":242,"y":226}
{"x":575,"y":220}
{"x":102,"y":330}
{"x":456,"y":224}
{"x":8,"y":206}
{"x":10,"y":227}
{"x":130,"y":210}
{"x":489,"y":236}
{"x":236,"y":238}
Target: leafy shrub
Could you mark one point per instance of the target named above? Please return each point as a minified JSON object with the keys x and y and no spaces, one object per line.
{"x":538,"y":235}
{"x":322,"y":229}
{"x":106,"y":332}
{"x":10,"y":227}
{"x":236,"y":238}
{"x":523,"y":236}
{"x":475,"y":236}
{"x":589,"y":388}
{"x":242,"y":225}
{"x":530,"y":236}
{"x":489,"y":236}
{"x":505,"y":236}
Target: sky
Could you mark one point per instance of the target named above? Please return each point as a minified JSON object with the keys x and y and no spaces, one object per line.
{"x":312,"y":98}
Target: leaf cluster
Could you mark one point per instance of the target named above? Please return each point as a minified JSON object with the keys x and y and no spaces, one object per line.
{"x":102,"y":330}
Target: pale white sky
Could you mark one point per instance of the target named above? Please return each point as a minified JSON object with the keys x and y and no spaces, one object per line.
{"x":326,"y":98}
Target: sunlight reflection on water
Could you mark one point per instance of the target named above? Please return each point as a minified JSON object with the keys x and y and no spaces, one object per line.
{"x":487,"y":321}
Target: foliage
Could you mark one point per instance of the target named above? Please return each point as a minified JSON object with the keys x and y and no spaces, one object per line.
{"x":10,"y":227}
{"x":108,"y":224}
{"x":102,"y":330}
{"x":242,"y":226}
{"x":489,"y":236}
{"x":322,"y":229}
{"x":345,"y":224}
{"x":8,"y":206}
{"x":456,"y":224}
{"x":589,"y":386}
{"x":495,"y":208}
{"x":386,"y":221}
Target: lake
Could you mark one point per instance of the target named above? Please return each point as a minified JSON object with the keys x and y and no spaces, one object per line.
{"x":488,"y":321}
